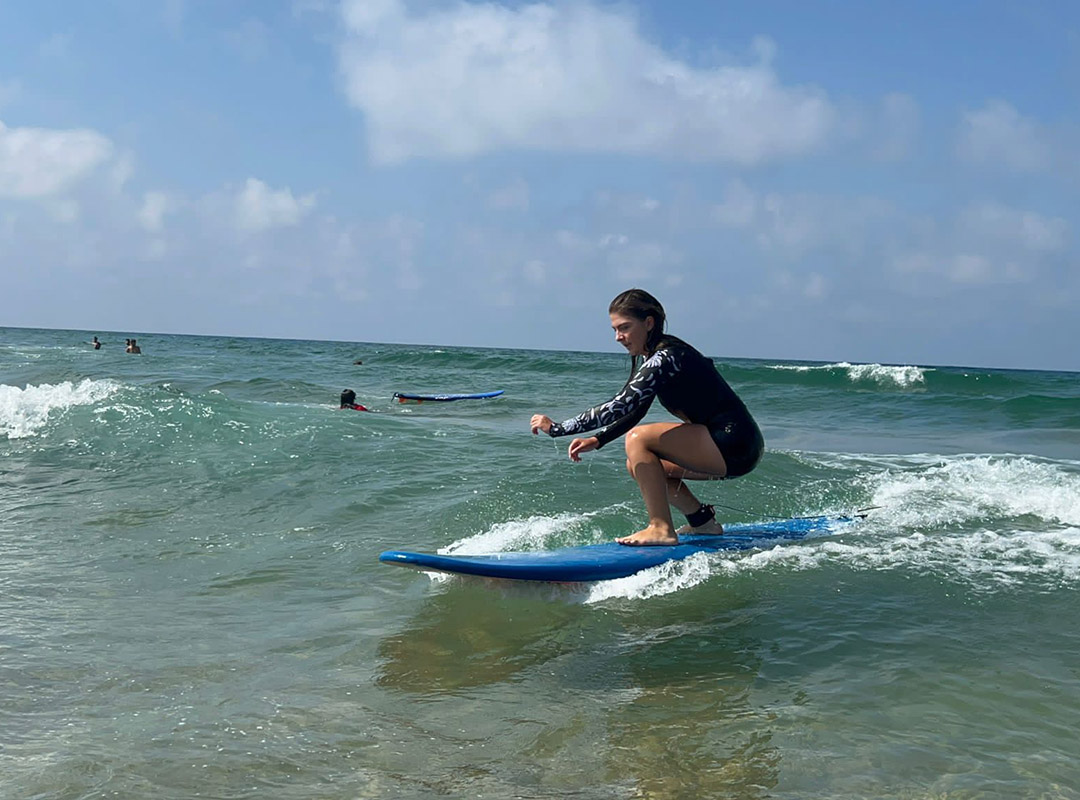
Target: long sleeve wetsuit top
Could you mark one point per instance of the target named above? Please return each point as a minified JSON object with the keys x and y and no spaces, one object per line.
{"x":687,"y":383}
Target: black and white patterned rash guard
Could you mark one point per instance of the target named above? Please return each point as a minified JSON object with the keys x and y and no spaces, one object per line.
{"x":688,"y":385}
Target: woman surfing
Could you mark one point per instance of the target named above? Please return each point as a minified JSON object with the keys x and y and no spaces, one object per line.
{"x":717,"y":438}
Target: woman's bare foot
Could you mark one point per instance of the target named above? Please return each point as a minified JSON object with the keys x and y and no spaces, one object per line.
{"x":712,"y":528}
{"x":652,"y":535}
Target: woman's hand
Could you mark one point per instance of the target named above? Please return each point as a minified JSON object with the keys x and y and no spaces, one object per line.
{"x":539,"y":422}
{"x":579,"y":446}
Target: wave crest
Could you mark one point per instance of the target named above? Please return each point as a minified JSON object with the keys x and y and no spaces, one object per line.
{"x":903,"y":376}
{"x":24,"y":412}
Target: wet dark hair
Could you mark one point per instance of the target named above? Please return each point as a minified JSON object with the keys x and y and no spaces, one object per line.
{"x":639,"y":304}
{"x":348,"y":398}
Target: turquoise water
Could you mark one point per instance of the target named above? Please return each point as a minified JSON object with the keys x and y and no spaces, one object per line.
{"x":191,"y":603}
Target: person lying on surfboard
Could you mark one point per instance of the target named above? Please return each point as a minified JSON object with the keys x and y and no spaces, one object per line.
{"x":716,"y":439}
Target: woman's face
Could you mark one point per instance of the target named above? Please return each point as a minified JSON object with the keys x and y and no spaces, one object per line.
{"x":631,"y":332}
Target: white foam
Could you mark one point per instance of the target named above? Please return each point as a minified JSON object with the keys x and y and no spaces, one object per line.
{"x":981,"y":561}
{"x":986,"y":521}
{"x":533,"y":533}
{"x":24,"y":412}
{"x":903,"y":376}
{"x":970,"y":488}
{"x":881,"y":374}
{"x":655,"y":582}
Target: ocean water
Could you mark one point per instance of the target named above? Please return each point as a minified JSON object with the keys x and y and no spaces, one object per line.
{"x":191,"y":603}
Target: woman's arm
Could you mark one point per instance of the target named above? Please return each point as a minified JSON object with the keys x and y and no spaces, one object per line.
{"x":628,"y":407}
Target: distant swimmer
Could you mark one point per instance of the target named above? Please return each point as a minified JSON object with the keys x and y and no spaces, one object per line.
{"x":132,"y":347}
{"x":716,"y":439}
{"x":348,"y":400}
{"x":96,"y":343}
{"x":358,"y":361}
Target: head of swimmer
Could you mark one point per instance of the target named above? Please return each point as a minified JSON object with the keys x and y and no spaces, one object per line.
{"x":348,"y":398}
{"x":638,"y":320}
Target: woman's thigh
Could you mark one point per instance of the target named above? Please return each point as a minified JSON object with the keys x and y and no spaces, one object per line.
{"x":681,"y":444}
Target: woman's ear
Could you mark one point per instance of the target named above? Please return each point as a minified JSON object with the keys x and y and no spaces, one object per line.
{"x":650,"y":323}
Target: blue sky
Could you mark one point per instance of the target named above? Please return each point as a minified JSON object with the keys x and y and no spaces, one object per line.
{"x":859,"y":181}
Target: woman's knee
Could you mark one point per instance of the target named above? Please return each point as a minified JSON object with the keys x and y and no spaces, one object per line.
{"x":637,"y":441}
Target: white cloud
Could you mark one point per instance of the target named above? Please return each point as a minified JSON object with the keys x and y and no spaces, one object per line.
{"x":639,"y":261}
{"x":39,"y":162}
{"x":470,"y":79}
{"x":998,"y":134}
{"x":791,"y":226}
{"x":626,"y":204}
{"x":987,"y":244}
{"x":574,"y":243}
{"x":151,"y":214}
{"x":258,"y":207}
{"x":1024,"y":229}
{"x":122,"y":170}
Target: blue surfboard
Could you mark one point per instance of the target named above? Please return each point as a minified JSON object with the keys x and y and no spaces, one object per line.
{"x":404,"y":397}
{"x":601,"y":562}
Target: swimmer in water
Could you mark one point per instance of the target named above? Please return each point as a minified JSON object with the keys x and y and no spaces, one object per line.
{"x":348,"y":400}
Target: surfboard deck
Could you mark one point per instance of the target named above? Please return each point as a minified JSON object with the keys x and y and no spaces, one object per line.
{"x":601,"y":562}
{"x":404,"y":397}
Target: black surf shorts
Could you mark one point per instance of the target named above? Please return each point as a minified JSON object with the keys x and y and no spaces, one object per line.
{"x":740,"y":442}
